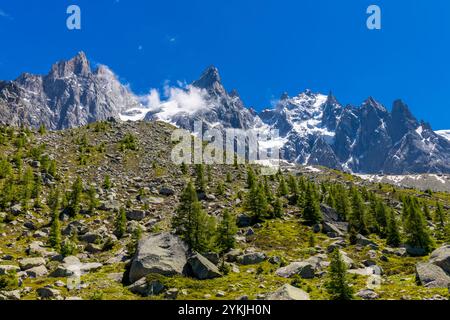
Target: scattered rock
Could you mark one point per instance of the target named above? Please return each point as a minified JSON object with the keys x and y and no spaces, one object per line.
{"x":37,"y":272}
{"x":29,"y":263}
{"x":146,"y":287}
{"x":368,"y":294}
{"x":304,"y":269}
{"x":202,"y":268}
{"x":251,"y":258}
{"x":288,"y":292}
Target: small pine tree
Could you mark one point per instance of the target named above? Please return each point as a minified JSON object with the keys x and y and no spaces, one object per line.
{"x":120,"y":223}
{"x":42,"y":130}
{"x":184,"y":168}
{"x":441,"y":221}
{"x":342,"y":203}
{"x":257,"y":201}
{"x":357,"y":217}
{"x":311,"y":212}
{"x":200,"y":182}
{"x":107,"y":185}
{"x":55,"y":229}
{"x":426,"y":212}
{"x":282,"y":187}
{"x":92,"y":200}
{"x":192,"y":224}
{"x":415,"y":227}
{"x":338,"y":286}
{"x":226,"y":232}
{"x":75,"y":197}
{"x":251,"y":178}
{"x":277,"y":208}
{"x":220,"y":188}
{"x":392,"y":232}
{"x":229,"y":178}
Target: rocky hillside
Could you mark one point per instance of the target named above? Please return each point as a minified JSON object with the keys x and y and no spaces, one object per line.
{"x":99,"y":212}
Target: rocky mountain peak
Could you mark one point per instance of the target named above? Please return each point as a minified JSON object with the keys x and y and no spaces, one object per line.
{"x":209,"y":79}
{"x":78,"y":65}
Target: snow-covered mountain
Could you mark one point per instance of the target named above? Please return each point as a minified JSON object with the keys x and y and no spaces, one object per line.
{"x":315,"y":129}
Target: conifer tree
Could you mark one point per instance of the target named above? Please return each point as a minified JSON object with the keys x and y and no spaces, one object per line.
{"x":343,"y":207}
{"x":55,"y":229}
{"x":415,"y":227}
{"x":184,"y":168}
{"x":251,"y":178}
{"x":311,"y":213}
{"x":441,"y":221}
{"x":107,"y":185}
{"x":357,"y":217}
{"x":226,"y":232}
{"x":120,"y":223}
{"x":392,"y":232}
{"x":92,"y":200}
{"x":426,"y":212}
{"x":338,"y":286}
{"x":277,"y":208}
{"x":294,"y":190}
{"x":75,"y":197}
{"x":282,"y":187}
{"x":200,"y":182}
{"x":257,"y":201}
{"x":192,"y":224}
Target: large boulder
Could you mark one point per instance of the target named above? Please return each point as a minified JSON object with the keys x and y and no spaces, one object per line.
{"x":288,"y":292}
{"x":163,"y":253}
{"x":202,"y":268}
{"x":304,"y":269}
{"x":441,"y":258}
{"x":431,"y":276}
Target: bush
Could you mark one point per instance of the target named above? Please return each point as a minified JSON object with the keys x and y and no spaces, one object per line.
{"x":9,"y":281}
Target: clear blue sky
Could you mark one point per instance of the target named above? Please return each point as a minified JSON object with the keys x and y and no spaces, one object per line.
{"x":262,"y":48}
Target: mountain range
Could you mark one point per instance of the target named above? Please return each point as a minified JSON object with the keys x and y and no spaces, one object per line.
{"x":315,"y":129}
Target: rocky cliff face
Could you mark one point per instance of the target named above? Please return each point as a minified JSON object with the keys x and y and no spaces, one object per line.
{"x":69,"y":96}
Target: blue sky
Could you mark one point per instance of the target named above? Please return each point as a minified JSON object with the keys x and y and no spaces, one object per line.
{"x":261,"y":47}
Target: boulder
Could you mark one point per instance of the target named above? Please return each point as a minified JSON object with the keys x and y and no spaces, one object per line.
{"x":364,"y":242}
{"x":72,"y":266}
{"x":415,"y":251}
{"x":10,"y":295}
{"x":431,"y":276}
{"x":5,"y":269}
{"x":288,"y":292}
{"x":367,"y":294}
{"x":29,"y":263}
{"x":162,"y":253}
{"x":304,"y":269}
{"x":441,"y":258}
{"x":91,"y":237}
{"x":166,"y":191}
{"x":136,"y":215}
{"x":48,"y":293}
{"x":251,"y":258}
{"x":145,"y":287}
{"x":37,"y":272}
{"x":202,"y":268}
